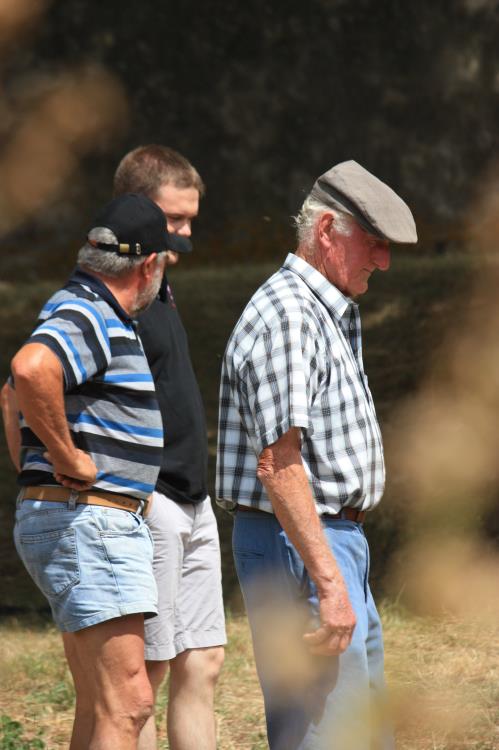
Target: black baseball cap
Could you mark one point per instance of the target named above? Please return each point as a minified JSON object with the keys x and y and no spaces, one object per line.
{"x":139,"y":225}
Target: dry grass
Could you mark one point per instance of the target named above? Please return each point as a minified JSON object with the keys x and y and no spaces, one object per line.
{"x":445,"y":682}
{"x":444,"y":677}
{"x":36,"y":687}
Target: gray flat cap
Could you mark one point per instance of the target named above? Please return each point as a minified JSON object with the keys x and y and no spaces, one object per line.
{"x":377,"y":208}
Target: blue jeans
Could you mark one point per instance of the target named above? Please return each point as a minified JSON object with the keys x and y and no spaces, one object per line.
{"x":335,"y":706}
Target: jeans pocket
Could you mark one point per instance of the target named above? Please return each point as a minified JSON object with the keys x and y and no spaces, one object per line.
{"x":51,"y":559}
{"x":250,"y":566}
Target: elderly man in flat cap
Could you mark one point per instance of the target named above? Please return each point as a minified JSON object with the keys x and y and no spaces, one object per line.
{"x":300,"y":460}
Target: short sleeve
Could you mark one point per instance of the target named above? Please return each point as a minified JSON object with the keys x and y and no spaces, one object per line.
{"x":278,"y":381}
{"x":76,"y":333}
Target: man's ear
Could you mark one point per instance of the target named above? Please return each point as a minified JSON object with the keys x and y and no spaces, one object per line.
{"x":148,"y":266}
{"x":323,"y":230}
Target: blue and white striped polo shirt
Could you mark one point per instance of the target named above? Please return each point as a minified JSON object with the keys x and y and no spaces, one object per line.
{"x":109,"y":393}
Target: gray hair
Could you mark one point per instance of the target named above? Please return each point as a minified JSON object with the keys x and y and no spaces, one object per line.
{"x":308,"y":215}
{"x":104,"y":262}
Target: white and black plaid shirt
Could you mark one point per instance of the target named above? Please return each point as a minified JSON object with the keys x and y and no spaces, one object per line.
{"x":294,"y":359}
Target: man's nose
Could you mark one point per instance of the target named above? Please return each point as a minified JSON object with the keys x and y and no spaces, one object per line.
{"x":185,"y":229}
{"x":381,"y":257}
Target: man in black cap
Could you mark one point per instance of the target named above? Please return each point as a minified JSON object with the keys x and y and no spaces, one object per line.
{"x":300,"y":460}
{"x":90,"y":451}
{"x":188,"y":635}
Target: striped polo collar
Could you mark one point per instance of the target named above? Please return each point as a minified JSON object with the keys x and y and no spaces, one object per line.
{"x":79,"y":276}
{"x":328,"y":294}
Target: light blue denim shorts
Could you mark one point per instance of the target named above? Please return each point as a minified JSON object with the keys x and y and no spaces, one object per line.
{"x":91,"y":563}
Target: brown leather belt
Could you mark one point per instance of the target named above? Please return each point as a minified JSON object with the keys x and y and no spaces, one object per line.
{"x":105,"y":499}
{"x":347,"y":514}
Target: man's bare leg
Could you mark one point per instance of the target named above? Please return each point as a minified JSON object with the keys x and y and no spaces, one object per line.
{"x":156,"y":671}
{"x":83,"y":723}
{"x":107,"y":662}
{"x":191,"y":717}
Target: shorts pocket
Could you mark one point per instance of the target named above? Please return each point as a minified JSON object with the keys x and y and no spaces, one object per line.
{"x":51,"y":559}
{"x":131,"y":544}
{"x":114,"y":522}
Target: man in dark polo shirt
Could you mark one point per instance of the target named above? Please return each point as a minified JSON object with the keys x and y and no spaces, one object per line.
{"x":90,"y":450}
{"x":189,"y":632}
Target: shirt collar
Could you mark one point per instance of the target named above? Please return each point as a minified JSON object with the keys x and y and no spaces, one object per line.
{"x":163,"y":289}
{"x":79,"y":276}
{"x":328,"y":294}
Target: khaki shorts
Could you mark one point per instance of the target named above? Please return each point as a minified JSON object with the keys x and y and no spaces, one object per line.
{"x":187,"y":570}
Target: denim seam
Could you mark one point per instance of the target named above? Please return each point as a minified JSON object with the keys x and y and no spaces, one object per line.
{"x":368,"y":566}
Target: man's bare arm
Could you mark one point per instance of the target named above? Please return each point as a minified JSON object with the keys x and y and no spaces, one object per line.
{"x":281,"y":471}
{"x":39,"y":384}
{"x":11,"y":424}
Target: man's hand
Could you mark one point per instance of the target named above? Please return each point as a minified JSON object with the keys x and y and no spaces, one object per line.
{"x":280,"y":469}
{"x":41,"y":401}
{"x":77,"y":473}
{"x":337,"y":623}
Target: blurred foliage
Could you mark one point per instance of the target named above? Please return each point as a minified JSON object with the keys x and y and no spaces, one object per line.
{"x":263,"y":97}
